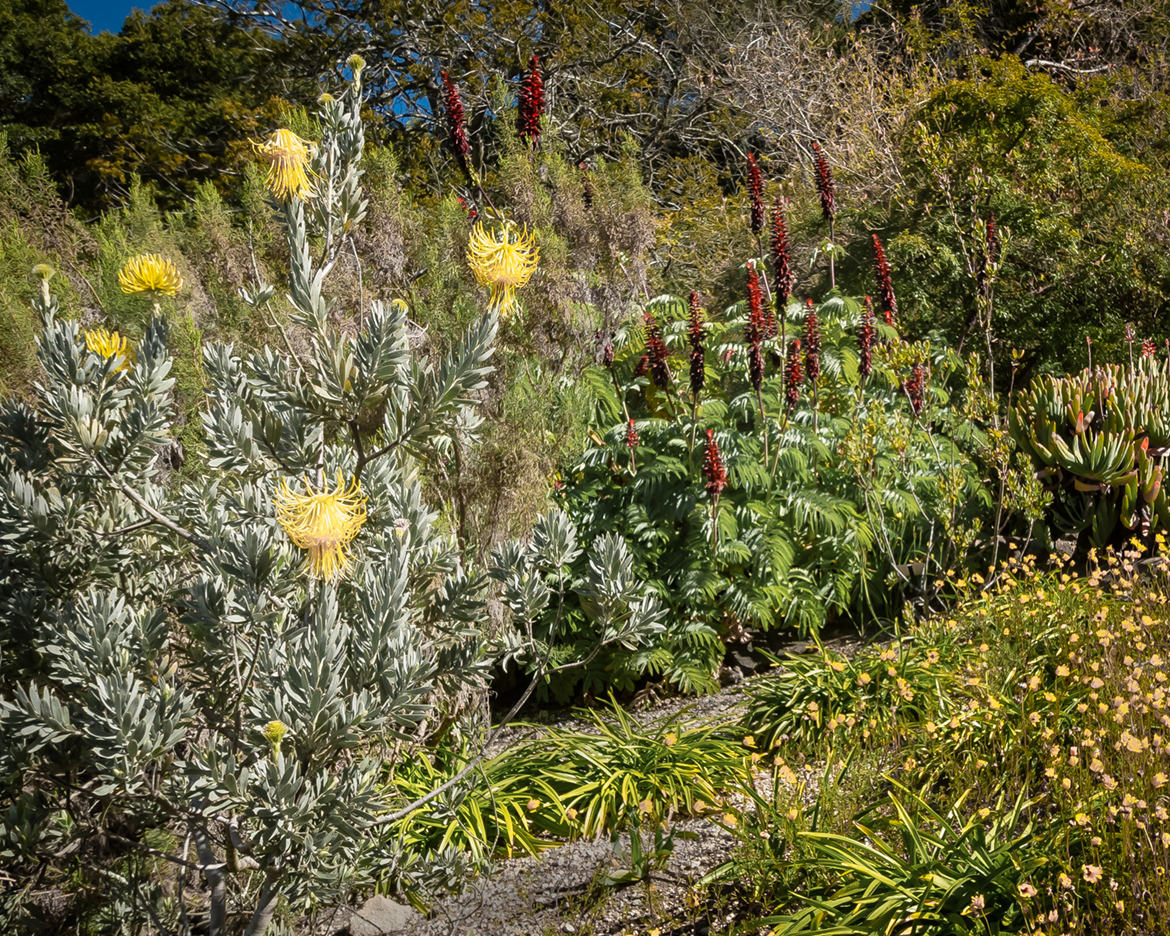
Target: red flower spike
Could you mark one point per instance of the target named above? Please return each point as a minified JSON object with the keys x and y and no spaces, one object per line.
{"x":586,"y":186}
{"x":642,"y":366}
{"x":865,"y":339}
{"x":756,"y":322}
{"x":456,"y":124}
{"x":657,"y":352}
{"x":1149,"y":349}
{"x":696,"y":331}
{"x":756,"y":367}
{"x":812,"y":344}
{"x":990,"y":252}
{"x":916,"y":388}
{"x":714,"y":471}
{"x":881,"y":270}
{"x":632,"y":436}
{"x":756,"y":190}
{"x":531,"y":103}
{"x":793,"y":377}
{"x":825,"y":185}
{"x":783,"y":277}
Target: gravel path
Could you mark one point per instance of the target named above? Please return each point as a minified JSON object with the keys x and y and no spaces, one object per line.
{"x":557,"y":892}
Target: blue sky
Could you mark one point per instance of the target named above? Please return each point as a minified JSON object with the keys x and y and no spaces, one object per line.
{"x":108,"y":15}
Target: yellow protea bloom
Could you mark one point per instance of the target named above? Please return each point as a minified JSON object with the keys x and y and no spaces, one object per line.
{"x":274,"y":732}
{"x":150,"y":273}
{"x":109,"y":344}
{"x":288,"y":158}
{"x":504,"y":260}
{"x":323,"y":521}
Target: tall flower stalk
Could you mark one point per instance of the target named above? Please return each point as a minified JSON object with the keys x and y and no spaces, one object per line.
{"x":696,"y":332}
{"x":457,"y":125}
{"x":756,"y":326}
{"x":827,"y":189}
{"x":782,"y":275}
{"x":632,"y":442}
{"x":866,"y":337}
{"x":812,"y":354}
{"x":715,"y":474}
{"x":885,"y":284}
{"x":531,"y":103}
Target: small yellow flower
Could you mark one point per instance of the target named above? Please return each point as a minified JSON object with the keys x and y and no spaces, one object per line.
{"x":288,"y":157}
{"x":645,"y":807}
{"x":1092,"y":873}
{"x":671,"y":739}
{"x":109,"y":344}
{"x":43,"y":271}
{"x":322,"y":521}
{"x":749,"y":741}
{"x":274,"y":733}
{"x":571,"y":813}
{"x":503,"y":260}
{"x":150,"y":273}
{"x":533,"y":805}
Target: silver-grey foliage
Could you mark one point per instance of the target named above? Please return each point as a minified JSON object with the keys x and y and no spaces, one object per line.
{"x":152,"y":633}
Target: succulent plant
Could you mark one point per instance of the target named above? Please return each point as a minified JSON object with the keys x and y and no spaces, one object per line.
{"x":1100,"y":440}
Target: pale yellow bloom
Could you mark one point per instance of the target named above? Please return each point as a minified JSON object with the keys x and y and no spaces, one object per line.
{"x":323,"y":521}
{"x":504,"y":260}
{"x":287,"y":156}
{"x":150,"y":273}
{"x":274,"y":733}
{"x":109,"y":344}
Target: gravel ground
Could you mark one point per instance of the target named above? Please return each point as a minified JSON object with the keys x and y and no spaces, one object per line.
{"x":557,"y":892}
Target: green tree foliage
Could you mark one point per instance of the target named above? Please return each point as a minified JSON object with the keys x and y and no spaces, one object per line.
{"x":1075,"y":176}
{"x":174,"y":98}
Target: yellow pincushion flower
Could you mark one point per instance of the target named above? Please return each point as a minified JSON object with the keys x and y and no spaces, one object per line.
{"x":109,"y":344}
{"x":323,"y":521}
{"x":504,"y":260}
{"x":288,"y":158}
{"x":150,"y":273}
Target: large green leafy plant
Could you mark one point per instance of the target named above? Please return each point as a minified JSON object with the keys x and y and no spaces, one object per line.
{"x":805,"y":501}
{"x":203,"y":678}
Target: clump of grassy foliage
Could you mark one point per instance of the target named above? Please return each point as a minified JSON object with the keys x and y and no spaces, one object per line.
{"x":1025,"y":766}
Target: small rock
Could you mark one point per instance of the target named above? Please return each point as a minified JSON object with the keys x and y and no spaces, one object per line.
{"x":380,"y":915}
{"x":568,"y":928}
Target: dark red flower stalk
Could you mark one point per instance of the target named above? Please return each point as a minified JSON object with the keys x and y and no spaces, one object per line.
{"x":825,"y":185}
{"x":793,"y":377}
{"x":783,"y":278}
{"x":713,"y":468}
{"x":881,"y":270}
{"x":990,"y":252}
{"x":756,"y":367}
{"x":456,"y":124}
{"x":632,"y":435}
{"x":657,"y":352}
{"x":470,"y":211}
{"x":1149,"y":349}
{"x":642,"y":366}
{"x":812,"y":344}
{"x":756,"y":323}
{"x":916,"y":388}
{"x":531,"y":103}
{"x":586,"y":186}
{"x":607,"y":355}
{"x":865,"y":339}
{"x":756,"y":190}
{"x":697,"y":329}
